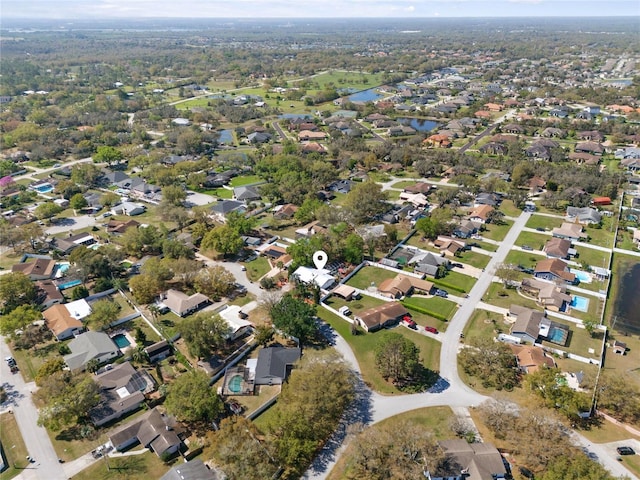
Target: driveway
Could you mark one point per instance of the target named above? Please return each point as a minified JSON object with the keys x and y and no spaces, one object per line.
{"x":35,"y":438}
{"x":199,"y":199}
{"x":69,"y":224}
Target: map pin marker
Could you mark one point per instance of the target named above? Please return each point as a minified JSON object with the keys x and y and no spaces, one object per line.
{"x":320,"y":259}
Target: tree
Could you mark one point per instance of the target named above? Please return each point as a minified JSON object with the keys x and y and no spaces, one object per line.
{"x":295,"y":317}
{"x":173,"y":195}
{"x":103,"y":313}
{"x":204,"y":333}
{"x":79,"y":292}
{"x":491,"y":362}
{"x":240,"y":452}
{"x":109,"y":199}
{"x":263,"y":334}
{"x":353,"y":248}
{"x":78,"y":202}
{"x":67,"y":188}
{"x":223,"y":239}
{"x":67,"y":398}
{"x":397,"y":358}
{"x":306,"y":212}
{"x":590,"y":326}
{"x":16,"y":289}
{"x":240,"y":223}
{"x":575,"y":467}
{"x":18,"y":319}
{"x":365,"y":201}
{"x":47,"y":210}
{"x":107,"y":154}
{"x":618,"y":397}
{"x":48,"y":368}
{"x":145,"y":288}
{"x":191,"y":399}
{"x":507,"y":274}
{"x":215,"y":282}
{"x":85,"y":174}
{"x":388,"y":451}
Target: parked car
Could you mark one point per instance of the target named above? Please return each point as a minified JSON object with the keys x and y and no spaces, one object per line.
{"x":10,"y":361}
{"x":344,"y":310}
{"x":525,"y":472}
{"x":441,"y":293}
{"x":624,"y":450}
{"x":457,"y":265}
{"x":527,"y":247}
{"x":409,"y":322}
{"x":431,"y":329}
{"x":540,"y":229}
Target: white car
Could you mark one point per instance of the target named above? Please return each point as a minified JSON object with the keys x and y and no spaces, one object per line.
{"x":344,"y":310}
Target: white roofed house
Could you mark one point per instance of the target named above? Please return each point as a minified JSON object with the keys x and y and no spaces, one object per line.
{"x":182,"y":304}
{"x":128,"y":208}
{"x":321,"y":278}
{"x":238,"y":326}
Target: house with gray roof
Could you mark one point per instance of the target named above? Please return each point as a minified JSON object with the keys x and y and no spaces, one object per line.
{"x":90,"y":346}
{"x":182,"y":304}
{"x":246,"y":193}
{"x":122,"y":390}
{"x":428,"y":263}
{"x":470,"y":461}
{"x":153,"y":430}
{"x":583,"y":215}
{"x":224,"y":207}
{"x":275,"y":364}
{"x":192,"y":470}
{"x":529,"y":324}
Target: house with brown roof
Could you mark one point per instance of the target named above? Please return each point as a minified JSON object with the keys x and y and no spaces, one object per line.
{"x":558,"y":248}
{"x":153,"y":430}
{"x":58,"y":319}
{"x":537,"y":185}
{"x":305,"y":135}
{"x":530,"y":359}
{"x":118,"y":227}
{"x":481,"y":213}
{"x":529,"y":324}
{"x":377,"y":317}
{"x":420,"y":187}
{"x":594,"y":148}
{"x":285,"y":212}
{"x":493,"y":107}
{"x":122,"y":390}
{"x":554,"y":270}
{"x":37,"y":269}
{"x":403,"y":285}
{"x":449,"y":245}
{"x":582,"y":158}
{"x":470,"y":461}
{"x":548,"y":295}
{"x":570,"y":231}
{"x":182,"y":304}
{"x":50,"y":295}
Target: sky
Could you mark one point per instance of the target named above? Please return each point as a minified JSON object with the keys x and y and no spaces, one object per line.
{"x":106,"y":9}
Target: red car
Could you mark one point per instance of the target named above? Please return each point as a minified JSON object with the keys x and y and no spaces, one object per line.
{"x":431,"y":329}
{"x":409,"y":322}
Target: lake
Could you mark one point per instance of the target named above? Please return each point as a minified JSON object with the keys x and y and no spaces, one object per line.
{"x":365,"y":96}
{"x":627,"y":303}
{"x":420,"y":124}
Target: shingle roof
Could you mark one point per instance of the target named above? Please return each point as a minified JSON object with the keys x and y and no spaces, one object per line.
{"x":273,"y":361}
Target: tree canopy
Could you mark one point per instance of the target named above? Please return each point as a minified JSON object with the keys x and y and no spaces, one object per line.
{"x":295,"y":317}
{"x":492,"y":363}
{"x":204,"y":333}
{"x":191,"y":399}
{"x":16,"y":289}
{"x":397,"y":358}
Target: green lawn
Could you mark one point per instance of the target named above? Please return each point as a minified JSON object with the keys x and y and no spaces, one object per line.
{"x":356,"y":306}
{"x":504,"y":298}
{"x":592,"y":257}
{"x":245,"y":180}
{"x":364,"y":344}
{"x":134,"y":467}
{"x":542,"y":221}
{"x":602,"y":236}
{"x":497,"y":232}
{"x":368,"y":275}
{"x":534,"y":240}
{"x":474,"y":259}
{"x":437,"y":305}
{"x":579,"y":340}
{"x":463,"y":282}
{"x":490,"y":247}
{"x":30,"y":361}
{"x":257,"y":268}
{"x":481,"y":325}
{"x":509,"y":209}
{"x":526,"y":259}
{"x":403,"y":184}
{"x":223,"y":193}
{"x":14,"y":448}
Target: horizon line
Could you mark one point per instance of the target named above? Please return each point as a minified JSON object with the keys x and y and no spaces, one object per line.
{"x":432,"y":17}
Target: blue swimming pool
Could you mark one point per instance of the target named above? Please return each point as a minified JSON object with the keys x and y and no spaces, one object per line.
{"x":580,"y":303}
{"x":557,"y":335}
{"x":69,"y":284}
{"x":121,"y":340}
{"x":46,"y":188}
{"x":235,"y":384}
{"x":584,"y":277}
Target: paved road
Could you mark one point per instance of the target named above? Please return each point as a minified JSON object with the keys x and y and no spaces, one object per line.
{"x":35,"y":438}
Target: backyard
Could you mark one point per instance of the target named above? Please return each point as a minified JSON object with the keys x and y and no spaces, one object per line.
{"x":368,"y":275}
{"x":356,"y":306}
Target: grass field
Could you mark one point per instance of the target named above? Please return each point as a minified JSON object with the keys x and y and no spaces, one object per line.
{"x":437,"y":305}
{"x":368,"y":275}
{"x":257,"y":268}
{"x":509,"y":209}
{"x":356,"y":306}
{"x":465,"y":282}
{"x":134,"y":467}
{"x":542,"y":221}
{"x":496,"y":295}
{"x":245,"y":180}
{"x":497,"y":232}
{"x":481,"y":325}
{"x":592,"y":257}
{"x":364,"y":344}
{"x":13,"y":446}
{"x":434,"y":419}
{"x":474,"y":259}
{"x":534,"y":240}
{"x":526,"y":259}
{"x":602,"y":236}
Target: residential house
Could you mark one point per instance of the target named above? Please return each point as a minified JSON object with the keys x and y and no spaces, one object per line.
{"x":530,"y":359}
{"x":403,"y":285}
{"x":415,"y":199}
{"x":554,"y":270}
{"x":307,"y":135}
{"x":584,"y":158}
{"x":619,"y":347}
{"x":481,"y":214}
{"x":128,"y":208}
{"x":536,"y":185}
{"x":470,"y":461}
{"x":427,"y":263}
{"x":66,"y":245}
{"x":558,"y":248}
{"x":601,"y":201}
{"x":182,"y":304}
{"x":494,"y":148}
{"x":222,"y":208}
{"x":592,"y":136}
{"x":274,"y":365}
{"x":118,"y":227}
{"x":90,"y":346}
{"x":246,"y":193}
{"x":529,"y":324}
{"x":341,"y":186}
{"x":485,"y":198}
{"x":449,"y":246}
{"x":36,"y":269}
{"x":513,"y":128}
{"x":159,"y":351}
{"x":122,"y":390}
{"x":320,"y":277}
{"x":570,"y":231}
{"x":583,"y":215}
{"x":420,"y":187}
{"x":345,"y":291}
{"x":152,"y":430}
{"x":236,"y":321}
{"x":311,"y":229}
{"x":593,"y":148}
{"x":465,"y":229}
{"x":50,"y":294}
{"x":192,"y":470}
{"x":285,"y":212}
{"x":380,"y":316}
{"x":258,"y":137}
{"x":552,"y":132}
{"x":548,"y":295}
{"x":61,"y":323}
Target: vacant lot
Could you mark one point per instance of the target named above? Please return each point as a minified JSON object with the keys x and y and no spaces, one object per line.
{"x":438,"y":306}
{"x":367,"y":276}
{"x":542,"y":221}
{"x":534,"y":240}
{"x":132,"y":467}
{"x":497,"y":232}
{"x":356,"y":306}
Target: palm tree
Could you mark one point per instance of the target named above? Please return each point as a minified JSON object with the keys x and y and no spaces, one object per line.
{"x":93,"y":365}
{"x":139,"y":355}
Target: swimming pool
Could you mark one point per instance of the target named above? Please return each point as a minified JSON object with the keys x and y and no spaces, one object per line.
{"x":579,"y":303}
{"x":121,"y":340}
{"x":557,"y":335}
{"x":584,"y":277}
{"x":61,"y":269}
{"x":69,"y":284}
{"x":44,"y":188}
{"x":235,"y":384}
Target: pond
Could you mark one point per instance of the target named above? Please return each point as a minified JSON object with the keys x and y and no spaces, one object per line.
{"x":627,"y":303}
{"x":419,"y":124}
{"x":294,"y":116}
{"x":365,"y":96}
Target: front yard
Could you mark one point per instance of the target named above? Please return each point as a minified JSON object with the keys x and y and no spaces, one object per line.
{"x":497,"y":232}
{"x":15,"y":451}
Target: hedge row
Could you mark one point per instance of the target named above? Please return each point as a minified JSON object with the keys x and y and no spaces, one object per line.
{"x":418,"y":309}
